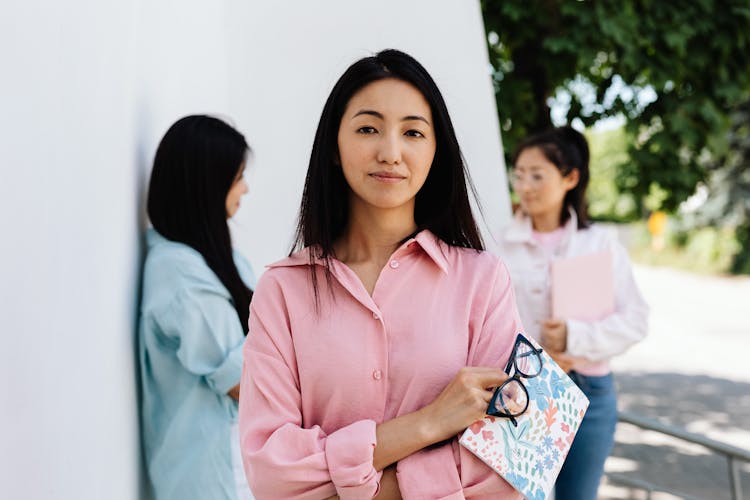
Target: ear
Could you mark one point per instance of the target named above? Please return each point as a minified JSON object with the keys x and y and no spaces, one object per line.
{"x":336,"y":158}
{"x":571,"y":180}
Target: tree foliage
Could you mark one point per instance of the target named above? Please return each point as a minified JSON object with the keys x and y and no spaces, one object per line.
{"x":674,"y":70}
{"x":728,"y":202}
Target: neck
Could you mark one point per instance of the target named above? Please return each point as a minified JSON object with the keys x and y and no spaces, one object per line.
{"x":374,"y":234}
{"x":545,"y":223}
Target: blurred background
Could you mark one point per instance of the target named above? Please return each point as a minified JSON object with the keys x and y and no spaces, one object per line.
{"x":661,"y":89}
{"x":662,"y":92}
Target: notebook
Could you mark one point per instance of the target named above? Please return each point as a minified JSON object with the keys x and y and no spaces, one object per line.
{"x":529,"y":456}
{"x":583,"y":287}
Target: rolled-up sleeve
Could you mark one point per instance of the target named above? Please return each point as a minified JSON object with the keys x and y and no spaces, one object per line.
{"x":451,"y":471}
{"x":209,"y":334}
{"x":432,"y":473}
{"x":282,"y":458}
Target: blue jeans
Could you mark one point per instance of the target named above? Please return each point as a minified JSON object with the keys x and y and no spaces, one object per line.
{"x":583,"y":468}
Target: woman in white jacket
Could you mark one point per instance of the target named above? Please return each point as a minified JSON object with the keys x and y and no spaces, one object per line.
{"x":550,"y":175}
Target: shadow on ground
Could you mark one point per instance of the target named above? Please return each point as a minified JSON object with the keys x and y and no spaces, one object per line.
{"x":717,"y":408}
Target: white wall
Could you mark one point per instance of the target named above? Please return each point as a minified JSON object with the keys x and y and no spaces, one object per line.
{"x":86,"y":91}
{"x":299,"y":51}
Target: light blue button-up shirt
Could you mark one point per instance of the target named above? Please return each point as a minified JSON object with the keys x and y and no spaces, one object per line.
{"x":190,"y":344}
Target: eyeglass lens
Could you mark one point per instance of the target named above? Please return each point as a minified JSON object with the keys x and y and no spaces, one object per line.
{"x":528,"y":362}
{"x":512,"y":399}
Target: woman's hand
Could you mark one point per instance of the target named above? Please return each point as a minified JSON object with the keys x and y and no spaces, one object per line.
{"x":554,"y":335}
{"x":389,"y":489}
{"x":463,"y":401}
{"x":388,"y":486}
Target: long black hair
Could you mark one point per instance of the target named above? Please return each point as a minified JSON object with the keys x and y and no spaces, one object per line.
{"x":568,"y":150}
{"x":195,"y":166}
{"x":442,"y":204}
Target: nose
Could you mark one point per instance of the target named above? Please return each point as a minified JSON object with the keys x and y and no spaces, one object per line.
{"x":520,"y":184}
{"x":389,"y":149}
{"x":243,"y":186}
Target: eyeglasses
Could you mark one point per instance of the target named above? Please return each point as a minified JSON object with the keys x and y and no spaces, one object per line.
{"x":535,"y":179}
{"x":511,"y":399}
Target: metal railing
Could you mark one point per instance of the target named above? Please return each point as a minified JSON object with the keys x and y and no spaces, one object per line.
{"x":733,"y":455}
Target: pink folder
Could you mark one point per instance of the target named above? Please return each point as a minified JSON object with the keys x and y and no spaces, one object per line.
{"x":583,"y":287}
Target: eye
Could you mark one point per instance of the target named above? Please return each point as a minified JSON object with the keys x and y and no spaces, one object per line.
{"x":414,"y":133}
{"x":239,"y":176}
{"x":536,"y":177}
{"x":366,"y":130}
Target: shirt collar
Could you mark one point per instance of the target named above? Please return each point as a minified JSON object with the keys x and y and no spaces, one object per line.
{"x":430,"y":244}
{"x":520,"y":229}
{"x":154,"y":238}
{"x":433,"y":246}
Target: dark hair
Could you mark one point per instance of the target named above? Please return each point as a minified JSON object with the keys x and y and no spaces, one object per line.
{"x":568,"y":150}
{"x":442,"y":204}
{"x":195,"y":166}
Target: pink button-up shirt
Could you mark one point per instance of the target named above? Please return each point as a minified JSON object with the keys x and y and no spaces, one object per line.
{"x":315,"y":384}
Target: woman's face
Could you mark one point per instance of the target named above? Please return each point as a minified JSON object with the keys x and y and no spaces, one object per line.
{"x":386,"y":144}
{"x":539,"y":184}
{"x":238,"y":190}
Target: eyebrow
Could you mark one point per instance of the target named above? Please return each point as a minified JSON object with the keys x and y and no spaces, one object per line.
{"x":529,"y":167}
{"x":380,"y":115}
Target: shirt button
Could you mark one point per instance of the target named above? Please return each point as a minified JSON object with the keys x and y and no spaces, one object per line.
{"x":376,"y":315}
{"x":394,"y":264}
{"x":377,"y":374}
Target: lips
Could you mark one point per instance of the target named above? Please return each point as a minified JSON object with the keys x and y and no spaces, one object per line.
{"x":387,"y":176}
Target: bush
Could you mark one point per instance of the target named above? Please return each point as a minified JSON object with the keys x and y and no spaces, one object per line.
{"x":704,"y":250}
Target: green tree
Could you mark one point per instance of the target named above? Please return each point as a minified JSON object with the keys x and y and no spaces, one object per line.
{"x":728,"y":203}
{"x":673,"y":70}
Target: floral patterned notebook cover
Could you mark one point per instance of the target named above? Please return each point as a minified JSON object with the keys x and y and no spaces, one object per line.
{"x":530,"y":455}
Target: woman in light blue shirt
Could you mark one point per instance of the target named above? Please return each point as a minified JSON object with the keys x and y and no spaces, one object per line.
{"x":194,"y":312}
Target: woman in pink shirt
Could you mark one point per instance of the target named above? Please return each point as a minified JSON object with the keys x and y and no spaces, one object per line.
{"x":372,"y":347}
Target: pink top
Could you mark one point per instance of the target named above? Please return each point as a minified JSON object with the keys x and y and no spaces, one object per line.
{"x":315,"y":385}
{"x":549,"y":241}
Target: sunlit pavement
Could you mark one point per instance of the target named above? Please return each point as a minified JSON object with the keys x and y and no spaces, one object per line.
{"x":693,"y":371}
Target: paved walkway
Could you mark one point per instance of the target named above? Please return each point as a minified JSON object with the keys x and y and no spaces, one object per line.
{"x":692,"y":371}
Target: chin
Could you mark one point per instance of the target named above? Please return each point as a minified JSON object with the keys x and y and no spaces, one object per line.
{"x":529,"y":209}
{"x":389,"y":203}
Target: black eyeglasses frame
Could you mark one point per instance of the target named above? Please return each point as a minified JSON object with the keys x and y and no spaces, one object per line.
{"x":517,"y":375}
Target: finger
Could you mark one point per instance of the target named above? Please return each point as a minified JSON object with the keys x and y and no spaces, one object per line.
{"x":490,"y":378}
{"x":487,"y":395}
{"x":482,"y":369}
